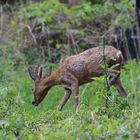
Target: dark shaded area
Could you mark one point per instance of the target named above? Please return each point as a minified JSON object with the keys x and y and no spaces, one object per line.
{"x":138,"y":10}
{"x":133,"y":38}
{"x":130,"y":41}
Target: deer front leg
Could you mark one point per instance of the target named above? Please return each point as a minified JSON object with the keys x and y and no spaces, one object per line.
{"x":75,"y":90}
{"x":115,"y":80}
{"x":67,"y":93}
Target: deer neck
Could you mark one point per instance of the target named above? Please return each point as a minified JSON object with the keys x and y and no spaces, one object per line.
{"x":51,"y":80}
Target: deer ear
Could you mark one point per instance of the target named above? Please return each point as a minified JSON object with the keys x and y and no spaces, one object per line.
{"x":32,"y":74}
{"x":39,"y":73}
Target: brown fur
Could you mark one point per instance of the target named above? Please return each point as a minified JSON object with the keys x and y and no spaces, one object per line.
{"x":77,"y":70}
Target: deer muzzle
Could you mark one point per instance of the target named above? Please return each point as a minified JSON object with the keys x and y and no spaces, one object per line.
{"x":34,"y":103}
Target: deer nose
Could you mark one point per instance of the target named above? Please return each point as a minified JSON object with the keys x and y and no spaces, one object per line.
{"x":33,"y":103}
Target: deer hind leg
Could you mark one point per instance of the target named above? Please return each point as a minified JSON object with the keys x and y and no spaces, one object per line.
{"x":115,"y":80}
{"x":67,"y":93}
{"x":113,"y":75}
{"x":119,"y":87}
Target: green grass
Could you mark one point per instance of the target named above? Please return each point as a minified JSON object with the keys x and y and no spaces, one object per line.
{"x":117,"y":118}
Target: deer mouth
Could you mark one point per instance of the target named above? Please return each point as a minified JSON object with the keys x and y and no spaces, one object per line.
{"x":38,"y":99}
{"x":33,"y":102}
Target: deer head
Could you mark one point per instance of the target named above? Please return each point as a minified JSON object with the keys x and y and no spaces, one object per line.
{"x":39,"y":88}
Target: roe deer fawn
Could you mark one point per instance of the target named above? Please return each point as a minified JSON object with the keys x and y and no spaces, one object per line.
{"x":77,"y":70}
